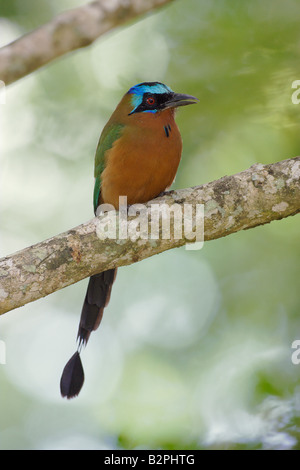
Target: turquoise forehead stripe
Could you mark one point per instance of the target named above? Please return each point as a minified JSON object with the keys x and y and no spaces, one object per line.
{"x":136,"y":100}
{"x":138,"y":91}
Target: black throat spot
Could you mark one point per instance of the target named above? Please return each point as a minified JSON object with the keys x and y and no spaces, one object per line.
{"x":167,"y":130}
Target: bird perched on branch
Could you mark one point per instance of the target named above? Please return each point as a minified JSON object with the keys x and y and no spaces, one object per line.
{"x":137,"y":156}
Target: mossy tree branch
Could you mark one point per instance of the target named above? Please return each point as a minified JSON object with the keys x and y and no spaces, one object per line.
{"x":256,"y":196}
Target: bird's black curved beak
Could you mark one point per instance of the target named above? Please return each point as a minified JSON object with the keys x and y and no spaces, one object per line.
{"x":179,"y":99}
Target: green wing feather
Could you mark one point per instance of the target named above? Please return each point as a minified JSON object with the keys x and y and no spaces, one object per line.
{"x":109,"y":135}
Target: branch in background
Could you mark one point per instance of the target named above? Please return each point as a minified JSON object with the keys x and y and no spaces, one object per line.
{"x":253,"y":197}
{"x":70,"y":30}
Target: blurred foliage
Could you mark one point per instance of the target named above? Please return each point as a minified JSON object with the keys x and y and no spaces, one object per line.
{"x":194,"y":350}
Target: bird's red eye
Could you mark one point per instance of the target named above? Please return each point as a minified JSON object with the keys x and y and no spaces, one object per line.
{"x":150,"y":101}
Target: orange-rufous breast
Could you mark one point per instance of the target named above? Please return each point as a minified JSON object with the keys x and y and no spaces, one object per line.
{"x":143,"y":162}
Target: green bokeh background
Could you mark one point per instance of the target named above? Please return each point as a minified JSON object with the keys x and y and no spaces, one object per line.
{"x":194,"y":350}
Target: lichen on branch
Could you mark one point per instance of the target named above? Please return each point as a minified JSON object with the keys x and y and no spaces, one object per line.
{"x":256,"y":196}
